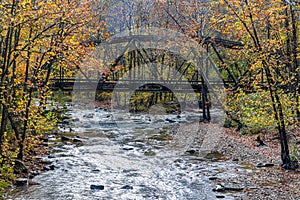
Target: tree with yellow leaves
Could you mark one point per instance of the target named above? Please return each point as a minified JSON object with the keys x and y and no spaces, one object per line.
{"x":269,"y":59}
{"x":37,"y":39}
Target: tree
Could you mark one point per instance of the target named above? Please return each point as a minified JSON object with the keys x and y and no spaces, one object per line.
{"x":268,"y":31}
{"x":37,"y":38}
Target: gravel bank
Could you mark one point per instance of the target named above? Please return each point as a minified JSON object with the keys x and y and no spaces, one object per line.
{"x":257,"y":181}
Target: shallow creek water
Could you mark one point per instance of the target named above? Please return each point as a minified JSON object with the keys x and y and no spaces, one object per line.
{"x":132,"y":156}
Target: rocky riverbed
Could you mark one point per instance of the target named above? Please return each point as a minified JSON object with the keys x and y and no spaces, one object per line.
{"x":156,"y":157}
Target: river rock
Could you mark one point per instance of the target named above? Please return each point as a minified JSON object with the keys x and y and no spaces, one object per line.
{"x":51,"y":156}
{"x":77,"y":140}
{"x":97,"y":187}
{"x":219,"y":188}
{"x":95,"y":171}
{"x":128,"y":148}
{"x":35,"y":173}
{"x":127,"y":187}
{"x":179,"y":160}
{"x":170,"y":120}
{"x":107,"y":109}
{"x":192,"y":151}
{"x":98,"y":109}
{"x":21,"y":181}
{"x":31,"y":175}
{"x":233,"y":187}
{"x":75,"y":120}
{"x":49,"y":167}
{"x":89,"y":116}
{"x":259,"y":165}
{"x":38,"y":157}
{"x":220,"y":196}
{"x":31,"y":182}
{"x":213,"y":178}
{"x":64,"y":138}
{"x":228,"y":187}
{"x":45,"y":138}
{"x":65,"y":122}
{"x":45,"y":161}
{"x":19,"y":167}
{"x":52,"y":167}
{"x":149,"y":153}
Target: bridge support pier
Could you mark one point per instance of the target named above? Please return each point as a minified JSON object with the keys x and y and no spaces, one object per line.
{"x":204,"y":103}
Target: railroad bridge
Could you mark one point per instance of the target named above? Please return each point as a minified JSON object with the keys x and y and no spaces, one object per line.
{"x":162,"y":72}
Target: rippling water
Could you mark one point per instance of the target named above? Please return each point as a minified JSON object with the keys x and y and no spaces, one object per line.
{"x":120,"y":150}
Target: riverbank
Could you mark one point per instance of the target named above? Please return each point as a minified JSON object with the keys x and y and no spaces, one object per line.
{"x":262,"y":177}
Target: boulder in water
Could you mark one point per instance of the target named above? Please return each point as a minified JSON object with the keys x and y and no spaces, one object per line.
{"x":77,"y":140}
{"x":219,"y":188}
{"x":21,"y":181}
{"x":64,"y":138}
{"x":127,"y":187}
{"x":90,"y":115}
{"x":97,"y":187}
{"x":75,"y":120}
{"x":170,"y":120}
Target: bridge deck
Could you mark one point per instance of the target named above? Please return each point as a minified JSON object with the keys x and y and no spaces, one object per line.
{"x":129,"y":85}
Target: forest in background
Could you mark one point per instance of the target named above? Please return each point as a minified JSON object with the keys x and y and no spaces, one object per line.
{"x":255,"y":44}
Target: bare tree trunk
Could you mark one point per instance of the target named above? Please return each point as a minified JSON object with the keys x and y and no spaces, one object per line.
{"x":279,"y":117}
{"x":295,"y":61}
{"x":6,"y":55}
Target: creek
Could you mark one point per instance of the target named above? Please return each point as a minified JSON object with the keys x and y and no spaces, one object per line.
{"x":127,"y":156}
